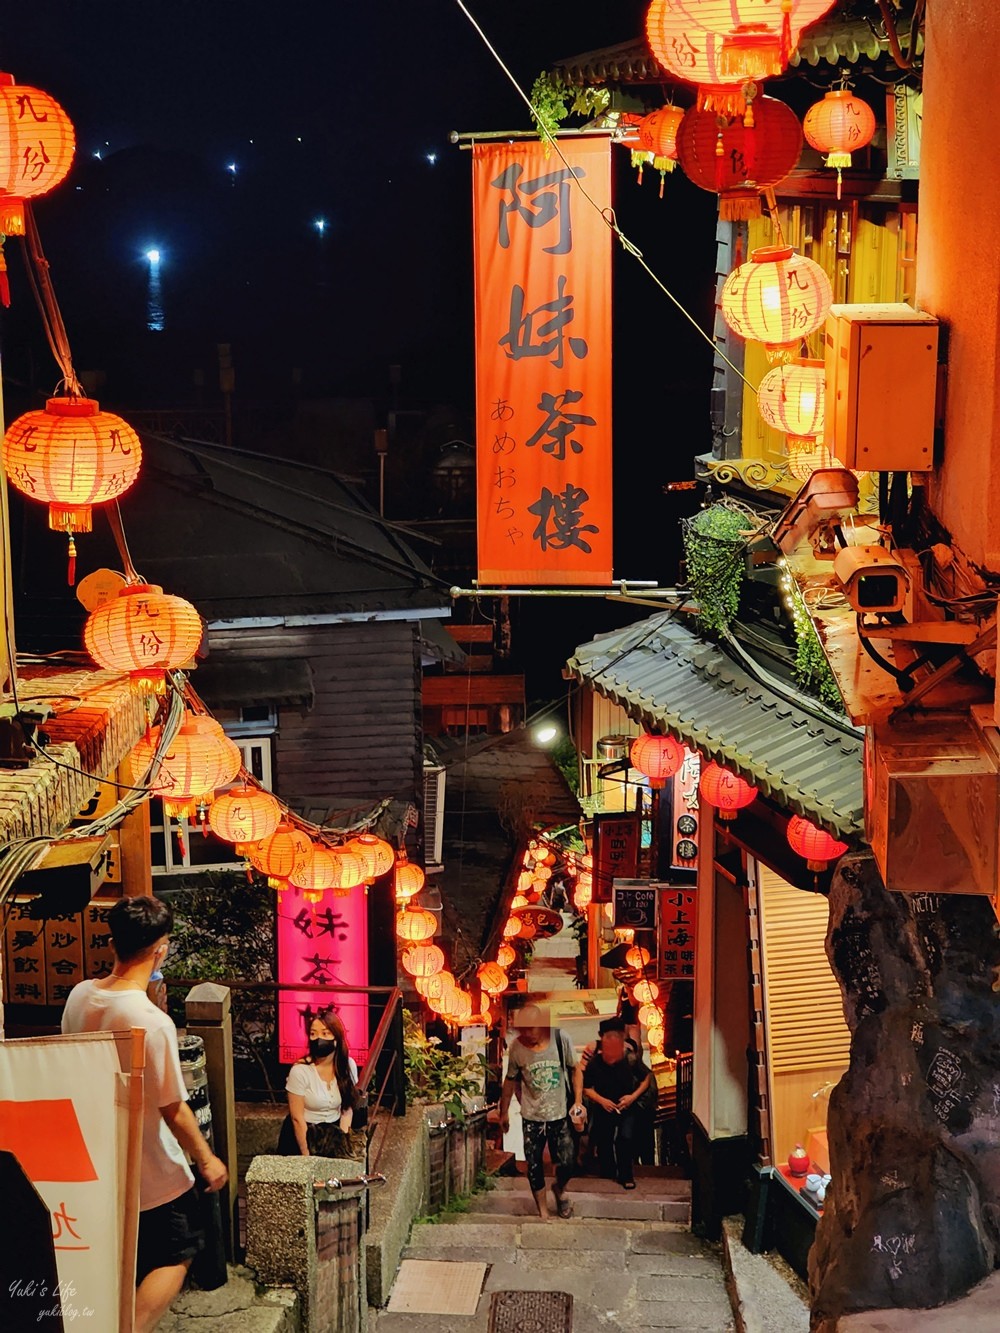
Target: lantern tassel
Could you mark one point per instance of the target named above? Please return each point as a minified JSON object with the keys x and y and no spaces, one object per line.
{"x":71,"y":562}
{"x":786,"y":32}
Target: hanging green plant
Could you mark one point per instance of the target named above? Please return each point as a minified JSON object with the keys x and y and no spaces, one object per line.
{"x":553,"y":101}
{"x":713,"y":551}
{"x":812,"y":670}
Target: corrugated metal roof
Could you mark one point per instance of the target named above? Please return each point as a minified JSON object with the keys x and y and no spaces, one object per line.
{"x":666,"y":676}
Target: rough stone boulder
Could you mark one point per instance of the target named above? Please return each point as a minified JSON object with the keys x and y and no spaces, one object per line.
{"x":913,"y":1215}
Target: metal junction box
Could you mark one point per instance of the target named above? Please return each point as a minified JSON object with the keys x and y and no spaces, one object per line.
{"x":881,"y":385}
{"x":932,"y":805}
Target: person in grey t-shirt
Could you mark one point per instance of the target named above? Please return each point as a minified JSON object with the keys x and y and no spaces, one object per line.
{"x":538,"y":1076}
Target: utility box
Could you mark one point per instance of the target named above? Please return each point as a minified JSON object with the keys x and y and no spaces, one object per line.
{"x":932,"y":804}
{"x":881,"y":387}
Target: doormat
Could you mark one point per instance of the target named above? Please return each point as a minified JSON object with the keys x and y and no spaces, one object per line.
{"x":531,"y":1312}
{"x":437,"y":1286}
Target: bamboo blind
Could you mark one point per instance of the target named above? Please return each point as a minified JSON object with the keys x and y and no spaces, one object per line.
{"x":805,"y":1017}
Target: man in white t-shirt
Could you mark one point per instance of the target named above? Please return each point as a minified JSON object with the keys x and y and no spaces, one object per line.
{"x":169,"y":1210}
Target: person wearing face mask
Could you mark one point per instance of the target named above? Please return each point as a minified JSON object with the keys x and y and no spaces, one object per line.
{"x":322,"y":1095}
{"x":170,"y":1229}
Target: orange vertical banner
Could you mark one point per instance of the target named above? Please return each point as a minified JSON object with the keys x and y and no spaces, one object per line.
{"x":543,"y":362}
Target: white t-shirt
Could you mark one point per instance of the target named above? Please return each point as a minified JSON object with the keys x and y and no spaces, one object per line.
{"x":322,"y":1098}
{"x":165,"y":1172}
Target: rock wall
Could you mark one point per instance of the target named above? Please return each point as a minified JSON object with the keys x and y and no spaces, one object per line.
{"x":913,"y":1215}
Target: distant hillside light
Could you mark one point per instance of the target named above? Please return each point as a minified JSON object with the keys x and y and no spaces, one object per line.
{"x":725,"y":790}
{"x":657,"y":758}
{"x":777,"y":299}
{"x":71,"y":456}
{"x":814,"y":844}
{"x":145,"y":632}
{"x":839,"y":125}
{"x":37,"y":143}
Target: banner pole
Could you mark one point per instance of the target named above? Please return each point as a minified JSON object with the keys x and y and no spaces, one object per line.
{"x":133,"y":1169}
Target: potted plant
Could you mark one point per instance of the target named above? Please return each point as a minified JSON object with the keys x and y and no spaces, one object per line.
{"x":435,"y":1078}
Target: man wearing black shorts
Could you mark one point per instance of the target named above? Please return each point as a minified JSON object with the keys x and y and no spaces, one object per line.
{"x":169,"y":1210}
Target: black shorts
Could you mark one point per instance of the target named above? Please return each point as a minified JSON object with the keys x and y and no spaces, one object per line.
{"x":170,"y":1234}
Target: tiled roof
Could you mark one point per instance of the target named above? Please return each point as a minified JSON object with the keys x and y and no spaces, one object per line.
{"x":632,"y":62}
{"x":666,"y":676}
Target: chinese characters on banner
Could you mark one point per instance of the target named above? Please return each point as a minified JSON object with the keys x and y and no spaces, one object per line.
{"x":543,"y":363}
{"x":63,"y":1118}
{"x":322,"y":944}
{"x":677,"y":932}
{"x":684,"y":794}
{"x":616,"y":851}
{"x":44,"y":959}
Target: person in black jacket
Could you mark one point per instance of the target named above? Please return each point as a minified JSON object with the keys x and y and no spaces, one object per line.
{"x":613,"y":1081}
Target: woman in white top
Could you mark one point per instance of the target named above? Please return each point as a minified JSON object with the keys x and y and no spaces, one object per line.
{"x":322,"y":1095}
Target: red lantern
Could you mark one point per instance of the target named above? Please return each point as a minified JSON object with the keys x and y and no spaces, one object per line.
{"x":736,"y":159}
{"x":512,"y":927}
{"x":725,"y":790}
{"x":817,"y":846}
{"x":492,"y":978}
{"x":200,"y":759}
{"x":645,"y":992}
{"x":658,"y":134}
{"x":71,"y":456}
{"x":376,"y":855}
{"x":432,"y":988}
{"x":778,"y":299}
{"x":637,"y":957}
{"x":37,"y":143}
{"x":278,"y":856}
{"x":690,"y":53}
{"x":315,"y":873}
{"x":657,"y":758}
{"x":423,"y":960}
{"x":649,"y":1015}
{"x":839,"y":125}
{"x":145,"y":632}
{"x":414,"y":925}
{"x":409,"y":879}
{"x":758,"y":36}
{"x":792,"y":398}
{"x":350,"y":871}
{"x":245,"y":815}
{"x":506,"y":956}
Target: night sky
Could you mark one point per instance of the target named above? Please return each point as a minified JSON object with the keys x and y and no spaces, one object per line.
{"x":330,"y":111}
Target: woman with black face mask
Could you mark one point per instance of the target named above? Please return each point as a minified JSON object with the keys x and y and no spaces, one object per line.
{"x":322,"y":1095}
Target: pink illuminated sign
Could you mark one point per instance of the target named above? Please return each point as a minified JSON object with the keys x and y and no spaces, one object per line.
{"x":322,"y":944}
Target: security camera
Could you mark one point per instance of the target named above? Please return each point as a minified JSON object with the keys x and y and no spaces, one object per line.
{"x":874,"y":581}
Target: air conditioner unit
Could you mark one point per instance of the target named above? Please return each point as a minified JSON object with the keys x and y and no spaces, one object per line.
{"x":434,"y":784}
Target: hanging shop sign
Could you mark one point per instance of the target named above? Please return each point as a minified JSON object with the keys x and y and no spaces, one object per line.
{"x":322,"y":944}
{"x":616,"y":852}
{"x":684,"y":811}
{"x":634,"y":904}
{"x":676,"y":947}
{"x":543,"y":362}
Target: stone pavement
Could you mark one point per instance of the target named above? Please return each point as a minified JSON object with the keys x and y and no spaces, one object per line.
{"x":627,"y":1258}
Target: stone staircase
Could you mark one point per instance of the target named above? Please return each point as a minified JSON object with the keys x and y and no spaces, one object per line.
{"x":627,"y":1258}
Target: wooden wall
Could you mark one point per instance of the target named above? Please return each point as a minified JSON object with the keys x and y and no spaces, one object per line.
{"x":361,"y":739}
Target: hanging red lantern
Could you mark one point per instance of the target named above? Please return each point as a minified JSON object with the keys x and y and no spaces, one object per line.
{"x":245,"y":815}
{"x":726,"y":790}
{"x":657,"y":758}
{"x":690,"y":53}
{"x":656,"y":1036}
{"x":350,"y":871}
{"x":512,"y":927}
{"x":645,"y":992}
{"x":583,"y":895}
{"x":315,"y":873}
{"x":649,"y":1015}
{"x":200,"y":759}
{"x":814,"y":844}
{"x":792,"y":398}
{"x":737,"y":159}
{"x":414,"y":925}
{"x":278,"y":856}
{"x":506,"y":956}
{"x":657,"y":134}
{"x":637,"y":957}
{"x":145,"y":632}
{"x":71,"y":456}
{"x":376,"y":855}
{"x":492,"y":978}
{"x":838,"y":125}
{"x":758,"y":36}
{"x":778,"y":298}
{"x":409,"y":879}
{"x":423,"y":960}
{"x":433,"y":987}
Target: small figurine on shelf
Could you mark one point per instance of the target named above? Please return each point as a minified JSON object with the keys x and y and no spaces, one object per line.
{"x":798,"y":1162}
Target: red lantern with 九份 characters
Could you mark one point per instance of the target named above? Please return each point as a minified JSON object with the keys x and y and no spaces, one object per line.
{"x":738,"y":158}
{"x":725,"y":790}
{"x":814,"y":844}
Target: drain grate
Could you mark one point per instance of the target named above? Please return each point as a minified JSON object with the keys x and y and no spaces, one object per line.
{"x":531,"y":1312}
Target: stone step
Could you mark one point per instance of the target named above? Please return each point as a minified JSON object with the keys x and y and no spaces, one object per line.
{"x":624,"y":1204}
{"x":235,"y":1308}
{"x":646,"y":1186}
